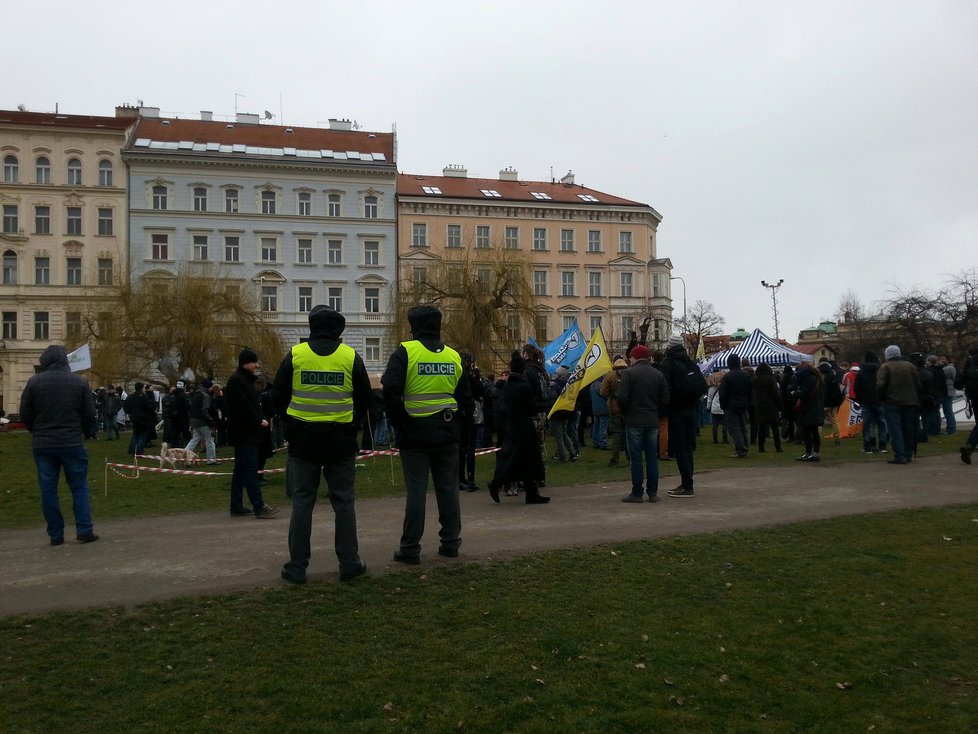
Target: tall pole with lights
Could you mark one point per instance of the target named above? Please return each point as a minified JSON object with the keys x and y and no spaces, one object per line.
{"x":680,"y":279}
{"x":774,"y":303}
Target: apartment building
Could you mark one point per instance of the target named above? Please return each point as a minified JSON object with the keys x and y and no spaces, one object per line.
{"x":304,"y":215}
{"x":63,"y":236}
{"x":593,"y":255}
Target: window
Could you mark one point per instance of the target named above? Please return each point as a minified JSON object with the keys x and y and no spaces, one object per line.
{"x":431,"y":190}
{"x":74,"y":172}
{"x":626,"y":284}
{"x":567,"y":283}
{"x":42,"y":220}
{"x":269,"y":249}
{"x":491,"y":194}
{"x":656,"y":286}
{"x":104,"y":173}
{"x":539,"y":238}
{"x":232,"y":249}
{"x":105,"y":322}
{"x":454,"y":235}
{"x":42,"y":271}
{"x":73,"y":324}
{"x":200,"y":247}
{"x":594,"y":240}
{"x":419,"y":234}
{"x":371,"y":253}
{"x":231,"y":201}
{"x":269,"y":298}
{"x":11,"y":219}
{"x":11,"y":171}
{"x":595,"y":324}
{"x":512,"y":238}
{"x":624,"y":242}
{"x":9,"y":325}
{"x":74,"y":220}
{"x":566,"y":322}
{"x":305,"y":204}
{"x":104,"y":221}
{"x":482,"y":279}
{"x":594,"y":284}
{"x":482,"y":236}
{"x":419,"y":275}
{"x":370,"y":207}
{"x":10,"y":268}
{"x":161,"y":247}
{"x":303,"y":251}
{"x":512,"y":327}
{"x":200,"y":199}
{"x":588,"y":198}
{"x":540,"y":195}
{"x":42,"y":326}
{"x":42,"y":170}
{"x":73,"y":271}
{"x":334,"y":298}
{"x":268,"y":202}
{"x":159,"y":197}
{"x":334,"y":252}
{"x":371,"y":349}
{"x":371,"y":300}
{"x":540,"y":328}
{"x":333,"y":205}
{"x":305,"y":299}
{"x":627,"y":325}
{"x":105,"y":271}
{"x":539,"y":282}
{"x":567,"y":240}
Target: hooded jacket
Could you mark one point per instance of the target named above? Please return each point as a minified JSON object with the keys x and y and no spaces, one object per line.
{"x":322,"y":441}
{"x":675,"y":367}
{"x":641,"y":392}
{"x":57,"y":406}
{"x":428,"y":431}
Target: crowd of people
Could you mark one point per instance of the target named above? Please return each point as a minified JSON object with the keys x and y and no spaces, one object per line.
{"x":437,"y":408}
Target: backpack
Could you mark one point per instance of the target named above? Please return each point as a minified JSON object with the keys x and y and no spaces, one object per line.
{"x":689,"y":384}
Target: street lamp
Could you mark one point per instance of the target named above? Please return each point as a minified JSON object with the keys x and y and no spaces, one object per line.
{"x":774,"y":300}
{"x":680,"y":279}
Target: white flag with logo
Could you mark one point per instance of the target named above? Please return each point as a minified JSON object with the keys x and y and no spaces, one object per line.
{"x":80,"y":359}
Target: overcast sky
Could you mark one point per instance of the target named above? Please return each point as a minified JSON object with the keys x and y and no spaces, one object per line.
{"x":832,"y":143}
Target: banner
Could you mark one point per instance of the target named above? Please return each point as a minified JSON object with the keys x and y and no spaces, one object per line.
{"x":80,"y":359}
{"x":700,"y":349}
{"x":594,"y":364}
{"x":850,"y":419}
{"x":565,"y":349}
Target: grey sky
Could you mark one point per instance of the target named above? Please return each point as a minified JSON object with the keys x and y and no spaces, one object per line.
{"x":832,"y":144}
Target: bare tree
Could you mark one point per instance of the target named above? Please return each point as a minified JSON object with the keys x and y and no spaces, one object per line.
{"x":701,"y":320}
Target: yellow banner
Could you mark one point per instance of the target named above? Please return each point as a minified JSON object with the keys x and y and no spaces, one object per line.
{"x":594,"y":364}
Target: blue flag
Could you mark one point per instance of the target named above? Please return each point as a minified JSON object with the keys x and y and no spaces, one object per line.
{"x":565,"y":349}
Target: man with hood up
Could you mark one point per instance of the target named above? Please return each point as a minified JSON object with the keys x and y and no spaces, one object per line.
{"x":424,"y":392}
{"x":58,"y":409}
{"x":686,"y":386}
{"x":323,"y":390}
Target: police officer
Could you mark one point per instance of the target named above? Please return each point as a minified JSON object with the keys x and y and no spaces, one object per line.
{"x":323,"y":389}
{"x":424,"y":394}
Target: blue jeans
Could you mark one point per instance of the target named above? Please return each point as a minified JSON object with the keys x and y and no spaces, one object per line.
{"x":734,"y":421}
{"x":947,"y":405}
{"x":901,"y":421}
{"x":599,"y":432}
{"x":203,"y":433}
{"x":74,"y":461}
{"x":644,"y":439}
{"x":873,"y":419}
{"x":245,"y":477}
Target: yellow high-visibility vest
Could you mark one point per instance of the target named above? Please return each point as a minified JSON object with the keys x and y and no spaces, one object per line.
{"x":322,"y":387}
{"x":429,"y":387}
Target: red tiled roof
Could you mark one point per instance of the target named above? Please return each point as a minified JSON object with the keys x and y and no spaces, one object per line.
{"x":409,"y":184}
{"x":266,"y":136}
{"x":51,"y":119}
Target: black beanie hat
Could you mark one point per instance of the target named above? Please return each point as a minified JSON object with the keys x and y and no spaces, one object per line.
{"x":326,"y":321}
{"x":517,"y":363}
{"x":247,"y":356}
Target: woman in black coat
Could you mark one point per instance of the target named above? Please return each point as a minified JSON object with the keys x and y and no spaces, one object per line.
{"x":520,"y":459}
{"x":809,"y":394}
{"x":767,"y":406}
{"x":788,"y":403}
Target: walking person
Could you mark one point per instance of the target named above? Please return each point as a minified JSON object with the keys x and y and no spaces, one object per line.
{"x":201,"y":421}
{"x":686,"y":386}
{"x":947,"y":401}
{"x":58,"y":409}
{"x":898,"y":386}
{"x":616,"y":422}
{"x":875,"y":436}
{"x":600,"y":413}
{"x":640,"y":393}
{"x":245,"y":424}
{"x":140,"y":407}
{"x":111,"y":405}
{"x":423,"y":391}
{"x":767,"y":406}
{"x":561,"y":422}
{"x":323,"y":390}
{"x":809,"y":394}
{"x":834,"y":396}
{"x":735,"y":397}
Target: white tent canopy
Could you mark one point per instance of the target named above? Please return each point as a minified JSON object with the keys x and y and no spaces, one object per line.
{"x":757,"y":348}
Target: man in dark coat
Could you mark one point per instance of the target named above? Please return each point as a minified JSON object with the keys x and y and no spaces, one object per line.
{"x":735,"y":396}
{"x":683,"y":413}
{"x":898,"y":385}
{"x":641,"y":393}
{"x":864,"y":387}
{"x":140,"y":407}
{"x":245,"y":422}
{"x":58,"y":409}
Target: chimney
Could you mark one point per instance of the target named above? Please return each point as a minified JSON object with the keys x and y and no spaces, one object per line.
{"x":149,"y":111}
{"x":247,"y":118}
{"x":126,"y":111}
{"x":508,"y":174}
{"x":335,"y":124}
{"x":568,"y":179}
{"x":454,"y":170}
{"x":206,"y":116}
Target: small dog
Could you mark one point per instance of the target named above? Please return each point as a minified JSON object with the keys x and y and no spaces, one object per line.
{"x":177,"y":457}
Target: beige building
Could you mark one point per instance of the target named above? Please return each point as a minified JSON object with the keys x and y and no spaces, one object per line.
{"x":63,"y":237}
{"x":593,"y":255}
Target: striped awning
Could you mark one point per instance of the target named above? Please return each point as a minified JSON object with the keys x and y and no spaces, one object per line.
{"x":757,"y":348}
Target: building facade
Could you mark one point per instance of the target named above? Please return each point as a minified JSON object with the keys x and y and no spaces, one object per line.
{"x":304,"y":216}
{"x":593,"y":255}
{"x":63,"y":238}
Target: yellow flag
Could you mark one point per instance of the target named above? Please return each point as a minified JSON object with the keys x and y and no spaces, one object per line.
{"x":594,"y":364}
{"x":700,"y":350}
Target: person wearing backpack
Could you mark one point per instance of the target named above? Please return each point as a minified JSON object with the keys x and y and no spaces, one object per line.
{"x":686,"y":386}
{"x":833,"y":397}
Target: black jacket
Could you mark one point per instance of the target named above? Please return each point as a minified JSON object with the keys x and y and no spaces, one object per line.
{"x":244,"y":408}
{"x":865,"y":384}
{"x":57,"y":406}
{"x":674,"y":368}
{"x":735,"y":391}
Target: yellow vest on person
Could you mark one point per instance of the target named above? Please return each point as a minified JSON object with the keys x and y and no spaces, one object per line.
{"x":429,"y":387}
{"x":322,"y":387}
